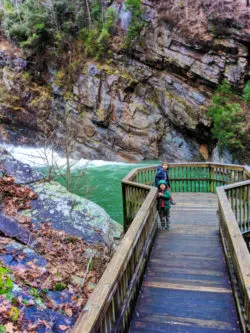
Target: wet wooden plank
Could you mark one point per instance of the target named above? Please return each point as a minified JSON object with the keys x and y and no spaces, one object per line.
{"x":186,"y":286}
{"x":181,"y":327}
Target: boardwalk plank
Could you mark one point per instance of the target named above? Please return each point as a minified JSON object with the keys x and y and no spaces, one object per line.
{"x":172,"y":325}
{"x":186,"y":286}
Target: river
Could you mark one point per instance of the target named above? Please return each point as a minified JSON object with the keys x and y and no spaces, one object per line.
{"x":98,"y":181}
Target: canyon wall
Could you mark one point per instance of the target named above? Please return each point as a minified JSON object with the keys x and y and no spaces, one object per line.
{"x":148,"y":103}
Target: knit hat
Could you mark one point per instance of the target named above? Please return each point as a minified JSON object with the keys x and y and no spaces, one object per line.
{"x":162,"y":182}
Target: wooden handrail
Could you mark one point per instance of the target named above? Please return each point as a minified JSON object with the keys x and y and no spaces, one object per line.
{"x":192,"y":164}
{"x":109,"y":307}
{"x":237,"y":253}
{"x":236,"y":185}
{"x":93,"y":315}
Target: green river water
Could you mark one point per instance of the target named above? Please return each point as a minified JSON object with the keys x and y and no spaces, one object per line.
{"x":99,"y":181}
{"x":102,"y":185}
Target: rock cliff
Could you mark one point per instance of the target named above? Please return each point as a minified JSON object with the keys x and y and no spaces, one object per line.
{"x":149,"y":103}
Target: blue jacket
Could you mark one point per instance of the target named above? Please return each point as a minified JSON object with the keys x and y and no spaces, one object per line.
{"x":161,"y":174}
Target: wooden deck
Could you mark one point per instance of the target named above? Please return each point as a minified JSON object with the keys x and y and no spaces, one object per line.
{"x":186,"y":286}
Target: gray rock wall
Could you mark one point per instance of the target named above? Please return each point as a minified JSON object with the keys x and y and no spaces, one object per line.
{"x":130,"y":107}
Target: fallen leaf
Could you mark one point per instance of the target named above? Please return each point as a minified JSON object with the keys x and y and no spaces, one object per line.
{"x":9,"y":328}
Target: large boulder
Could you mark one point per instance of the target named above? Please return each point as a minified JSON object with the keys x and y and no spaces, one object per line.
{"x":62,"y":209}
{"x":52,"y":254}
{"x":71,"y":213}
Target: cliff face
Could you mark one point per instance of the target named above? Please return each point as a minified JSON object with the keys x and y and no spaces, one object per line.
{"x":149,"y":104}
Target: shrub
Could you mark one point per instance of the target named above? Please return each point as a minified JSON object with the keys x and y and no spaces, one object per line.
{"x":96,"y":37}
{"x":6,"y":283}
{"x":34,"y":25}
{"x":96,"y":11}
{"x":246,"y":92}
{"x":137,"y":22}
{"x":227,"y":113}
{"x":59,"y":286}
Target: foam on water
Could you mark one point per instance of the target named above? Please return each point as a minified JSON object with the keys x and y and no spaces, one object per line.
{"x":44,"y":157}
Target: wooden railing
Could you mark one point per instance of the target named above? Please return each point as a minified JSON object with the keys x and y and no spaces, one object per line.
{"x":234,"y":212}
{"x":110,"y":306}
{"x":239,"y":197}
{"x":194,"y":177}
{"x":189,"y":177}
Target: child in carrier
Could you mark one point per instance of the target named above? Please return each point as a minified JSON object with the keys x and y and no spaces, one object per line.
{"x":163,"y":204}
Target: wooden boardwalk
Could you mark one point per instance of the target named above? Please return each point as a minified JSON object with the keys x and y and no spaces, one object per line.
{"x":186,"y":286}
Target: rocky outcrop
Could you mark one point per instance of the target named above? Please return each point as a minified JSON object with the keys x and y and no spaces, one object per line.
{"x":52,"y":254}
{"x":71,"y":213}
{"x":56,"y":206}
{"x":31,"y":304}
{"x":226,"y":59}
{"x":11,"y":56}
{"x":149,"y":105}
{"x":117,"y":112}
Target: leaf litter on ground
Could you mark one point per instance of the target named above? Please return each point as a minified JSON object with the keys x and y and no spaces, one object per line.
{"x":61,"y":283}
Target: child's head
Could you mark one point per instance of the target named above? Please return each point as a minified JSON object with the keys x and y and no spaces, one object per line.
{"x":162,"y":185}
{"x":164,"y":165}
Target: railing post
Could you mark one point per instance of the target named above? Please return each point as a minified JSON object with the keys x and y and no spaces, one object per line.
{"x":211,"y":176}
{"x":125,"y":219}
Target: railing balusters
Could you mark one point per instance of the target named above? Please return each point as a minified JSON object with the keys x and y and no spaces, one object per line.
{"x":192,"y":175}
{"x":218,"y":178}
{"x":199,"y":182}
{"x":208,"y":179}
{"x":211,"y":177}
{"x":106,"y":328}
{"x":240,"y":208}
{"x":183,"y":179}
{"x":248,"y":207}
{"x":195,"y":179}
{"x":245,"y":207}
{"x":175,"y":172}
{"x":235,"y":229}
{"x":205,"y":173}
{"x":180,"y":180}
{"x":237,"y":205}
{"x":189,"y":180}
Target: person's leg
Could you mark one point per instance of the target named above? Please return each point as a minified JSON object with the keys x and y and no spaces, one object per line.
{"x":168,"y":219}
{"x":161,"y":213}
{"x":164,"y":219}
